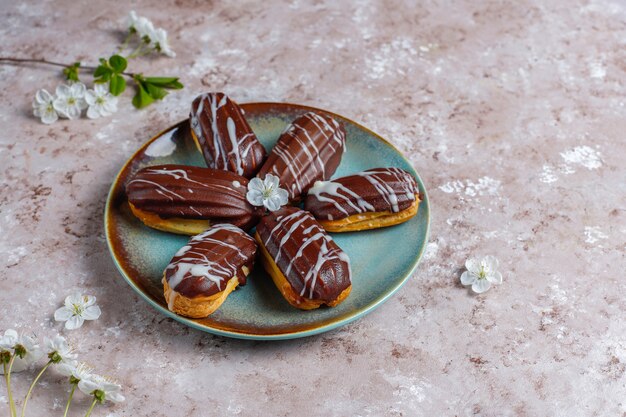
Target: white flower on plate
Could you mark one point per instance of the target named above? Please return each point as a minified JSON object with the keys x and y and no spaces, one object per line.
{"x":70,"y":100}
{"x":43,"y":107}
{"x":481,"y":274}
{"x":59,"y":351}
{"x":267,"y":193}
{"x":101,"y":102}
{"x":76,"y":310}
{"x":161,"y":44}
{"x":101,"y":388}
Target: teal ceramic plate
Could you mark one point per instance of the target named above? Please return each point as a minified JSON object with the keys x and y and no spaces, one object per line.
{"x":382,"y":260}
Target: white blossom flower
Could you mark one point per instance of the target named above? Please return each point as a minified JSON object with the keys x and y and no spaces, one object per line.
{"x":77,"y":371}
{"x":101,"y":388}
{"x":76,"y":310}
{"x":9,"y":340}
{"x":142,"y":25}
{"x":59,"y":351}
{"x":481,"y":274}
{"x":155,"y":37}
{"x":161,"y":44}
{"x":70,"y":100}
{"x":101,"y":102}
{"x":43,"y":107}
{"x":28,"y":349}
{"x":267,"y":193}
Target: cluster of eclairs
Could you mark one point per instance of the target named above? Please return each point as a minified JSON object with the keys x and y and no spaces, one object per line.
{"x":307,"y":266}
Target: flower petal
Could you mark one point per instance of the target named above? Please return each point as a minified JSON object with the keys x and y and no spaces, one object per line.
{"x":63,"y":91}
{"x":74,"y":322}
{"x":255,"y":197}
{"x":90,"y":97}
{"x":78,"y":90}
{"x":43,"y":96}
{"x":283,"y":196}
{"x":66,"y":368}
{"x":481,"y":285}
{"x":63,"y":314}
{"x":74,"y":298}
{"x":271,"y":182}
{"x":256,"y":184}
{"x":491,"y":263}
{"x":91,"y":313}
{"x":88,"y":300}
{"x":93,"y":112}
{"x":49,"y":117}
{"x":495,"y":278}
{"x":272,"y":203}
{"x":467,"y":278}
{"x":473,"y":265}
{"x":116,"y":397}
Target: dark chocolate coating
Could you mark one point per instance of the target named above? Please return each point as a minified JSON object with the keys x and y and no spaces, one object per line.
{"x":193,"y":193}
{"x":309,"y":150}
{"x":307,"y":256}
{"x":209,"y":260}
{"x":374,"y":190}
{"x":224,"y":135}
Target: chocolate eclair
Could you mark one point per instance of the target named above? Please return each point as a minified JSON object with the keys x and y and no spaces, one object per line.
{"x":202,"y":273}
{"x":371,"y":199}
{"x":309,"y":150}
{"x":307,"y":266}
{"x":187,"y":200}
{"x":224,"y":136}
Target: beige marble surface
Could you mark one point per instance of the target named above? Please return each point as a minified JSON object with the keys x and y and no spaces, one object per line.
{"x":512,"y":112}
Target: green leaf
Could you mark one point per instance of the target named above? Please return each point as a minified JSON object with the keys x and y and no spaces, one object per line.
{"x":102,"y":72}
{"x":118,"y":63}
{"x":104,"y":62}
{"x":142,"y":98}
{"x":155,"y":92}
{"x":117,"y":85}
{"x":165,"y":82}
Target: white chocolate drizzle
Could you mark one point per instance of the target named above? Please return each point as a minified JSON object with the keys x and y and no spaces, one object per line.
{"x":314,"y":234}
{"x":192,"y":262}
{"x":333,"y":136}
{"x":218,"y":148}
{"x":336,"y":193}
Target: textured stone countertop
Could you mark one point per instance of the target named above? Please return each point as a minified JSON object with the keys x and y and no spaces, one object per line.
{"x":513,"y":113}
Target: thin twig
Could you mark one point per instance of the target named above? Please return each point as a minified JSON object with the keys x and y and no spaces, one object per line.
{"x":18,"y":61}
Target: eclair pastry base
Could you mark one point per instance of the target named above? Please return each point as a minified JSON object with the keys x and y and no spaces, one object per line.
{"x":173,"y":224}
{"x":370,"y":220}
{"x":286,"y":289}
{"x":197,"y":307}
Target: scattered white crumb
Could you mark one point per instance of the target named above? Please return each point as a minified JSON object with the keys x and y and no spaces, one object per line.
{"x":484,"y":186}
{"x":583,"y":155}
{"x":593,"y":234}
{"x":548,"y":175}
{"x":597,"y":70}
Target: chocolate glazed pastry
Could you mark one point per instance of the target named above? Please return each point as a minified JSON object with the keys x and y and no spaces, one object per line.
{"x":371,"y":199}
{"x":187,"y":200}
{"x":207,"y":269}
{"x":309,"y":150}
{"x":224,"y":136}
{"x":307,"y":266}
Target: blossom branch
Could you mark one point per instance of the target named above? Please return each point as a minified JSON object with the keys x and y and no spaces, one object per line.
{"x":18,"y":61}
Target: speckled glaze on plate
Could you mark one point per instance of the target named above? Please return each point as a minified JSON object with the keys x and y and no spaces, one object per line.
{"x":382,"y":260}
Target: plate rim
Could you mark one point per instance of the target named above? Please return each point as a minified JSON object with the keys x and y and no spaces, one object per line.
{"x":277,"y":336}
